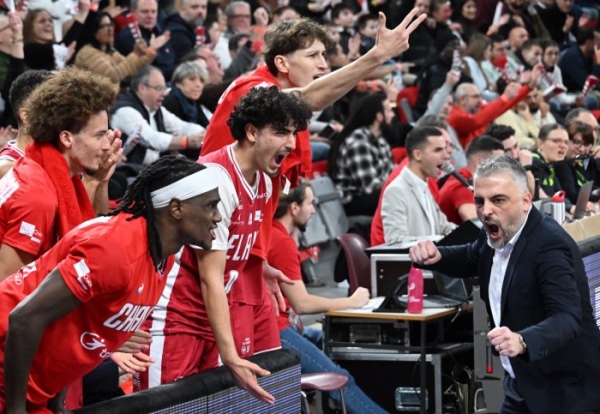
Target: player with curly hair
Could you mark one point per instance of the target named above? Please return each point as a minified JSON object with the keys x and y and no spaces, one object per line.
{"x":43,"y":196}
{"x":203,"y":313}
{"x":64,"y":314}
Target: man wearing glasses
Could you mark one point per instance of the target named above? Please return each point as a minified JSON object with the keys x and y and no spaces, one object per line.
{"x":148,"y":128}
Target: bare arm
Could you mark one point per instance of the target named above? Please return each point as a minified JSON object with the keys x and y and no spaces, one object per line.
{"x":27,"y":322}
{"x":12,"y":259}
{"x":303,"y":302}
{"x":211,"y":266}
{"x":324,"y":91}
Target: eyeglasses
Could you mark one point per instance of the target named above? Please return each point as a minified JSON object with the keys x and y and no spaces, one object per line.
{"x":475,"y":96}
{"x":240,"y":16}
{"x":578,"y":144}
{"x":158,"y":88}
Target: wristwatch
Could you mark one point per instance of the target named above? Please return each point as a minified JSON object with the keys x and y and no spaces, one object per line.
{"x":523,"y":344}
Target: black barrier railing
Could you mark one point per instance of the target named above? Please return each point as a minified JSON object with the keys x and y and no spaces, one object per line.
{"x":214,"y":392}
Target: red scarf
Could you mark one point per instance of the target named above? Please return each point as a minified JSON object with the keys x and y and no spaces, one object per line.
{"x":74,"y":206}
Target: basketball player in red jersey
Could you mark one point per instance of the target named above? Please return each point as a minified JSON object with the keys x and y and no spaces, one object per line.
{"x":72,"y":308}
{"x":191,"y":324}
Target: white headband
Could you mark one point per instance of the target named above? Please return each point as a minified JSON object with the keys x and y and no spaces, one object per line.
{"x":190,"y":186}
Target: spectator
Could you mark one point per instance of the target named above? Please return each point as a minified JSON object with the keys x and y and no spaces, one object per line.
{"x":188,"y":83}
{"x":561,"y":20}
{"x":360,"y":159}
{"x":20,"y":90}
{"x":183,"y":25}
{"x":41,"y":49}
{"x":139,"y":113}
{"x":498,"y":54}
{"x":463,"y":18}
{"x":579,"y":165}
{"x":367,"y":27}
{"x":506,"y":135}
{"x":525,"y":58}
{"x":467,"y":116}
{"x":291,"y":217}
{"x":517,"y":36}
{"x":579,"y":61}
{"x":100,"y":56}
{"x":479,"y":51}
{"x":552,"y":148}
{"x":456,"y":200}
{"x":11,"y":61}
{"x":284,"y":14}
{"x":123,"y":257}
{"x":408,"y":210}
{"x":145,"y":13}
{"x":527,"y":117}
{"x":552,"y":78}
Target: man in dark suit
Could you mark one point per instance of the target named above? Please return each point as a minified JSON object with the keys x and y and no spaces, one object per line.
{"x":536,"y":293}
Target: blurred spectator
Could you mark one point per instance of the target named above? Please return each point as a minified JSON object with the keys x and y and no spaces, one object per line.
{"x":342,"y":16}
{"x":182,"y":101}
{"x":11,"y":61}
{"x":527,"y":117}
{"x":360,"y":158}
{"x":562,"y":20}
{"x":284,"y":13}
{"x":581,"y":60}
{"x":463,"y":18}
{"x":41,"y":49}
{"x":579,"y":166}
{"x":139,"y":114}
{"x":498,"y":54}
{"x":100,"y":56}
{"x":522,"y":15}
{"x":516,"y":37}
{"x":421,"y":43}
{"x":525,"y":58}
{"x":367,"y":27}
{"x":183,"y":26}
{"x":146,"y":12}
{"x":553,"y":78}
{"x":479,"y":51}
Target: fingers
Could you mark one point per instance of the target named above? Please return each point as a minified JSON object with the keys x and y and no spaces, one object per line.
{"x":411,"y":28}
{"x":280,"y":301}
{"x":284,"y":279}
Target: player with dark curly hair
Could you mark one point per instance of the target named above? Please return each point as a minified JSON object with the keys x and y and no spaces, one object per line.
{"x":43,"y":195}
{"x":84,"y":298}
{"x":199,"y":321}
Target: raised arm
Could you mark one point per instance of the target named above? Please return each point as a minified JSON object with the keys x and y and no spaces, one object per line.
{"x":26,"y":324}
{"x":324,"y":91}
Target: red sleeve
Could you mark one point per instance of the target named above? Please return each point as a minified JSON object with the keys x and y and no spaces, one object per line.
{"x":30,"y":221}
{"x":464,"y":123}
{"x":218,"y":133}
{"x":94,"y":267}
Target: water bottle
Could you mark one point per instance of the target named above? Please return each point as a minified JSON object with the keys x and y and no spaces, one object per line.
{"x":558,"y":207}
{"x":415,"y":291}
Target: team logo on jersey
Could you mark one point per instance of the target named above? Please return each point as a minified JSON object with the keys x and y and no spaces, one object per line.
{"x":140,"y":289}
{"x":245,"y":348}
{"x":23,"y":273}
{"x":29,"y":230}
{"x":92,"y":342}
{"x":83,"y":272}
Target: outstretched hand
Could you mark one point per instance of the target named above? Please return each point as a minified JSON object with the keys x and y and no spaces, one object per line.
{"x":244,"y":374}
{"x":131,"y":363}
{"x":391,"y":43}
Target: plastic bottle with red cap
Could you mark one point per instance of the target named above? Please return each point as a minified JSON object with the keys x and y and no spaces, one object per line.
{"x":558,"y":207}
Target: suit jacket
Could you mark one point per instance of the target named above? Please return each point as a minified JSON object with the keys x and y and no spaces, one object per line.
{"x":404,"y":215}
{"x":546,"y":298}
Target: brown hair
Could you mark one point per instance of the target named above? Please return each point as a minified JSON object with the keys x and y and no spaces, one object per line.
{"x":477,"y":46}
{"x":577,"y":127}
{"x":28,"y":36}
{"x":290,"y":36}
{"x":66,"y":102}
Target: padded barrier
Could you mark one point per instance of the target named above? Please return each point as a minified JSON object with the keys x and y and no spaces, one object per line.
{"x":214,"y":392}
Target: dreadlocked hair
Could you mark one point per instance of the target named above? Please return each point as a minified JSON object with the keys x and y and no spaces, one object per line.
{"x":137,"y":201}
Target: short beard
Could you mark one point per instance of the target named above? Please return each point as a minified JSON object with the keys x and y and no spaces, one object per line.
{"x":512,"y":227}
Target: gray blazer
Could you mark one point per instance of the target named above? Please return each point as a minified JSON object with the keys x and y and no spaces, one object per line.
{"x":404,"y":213}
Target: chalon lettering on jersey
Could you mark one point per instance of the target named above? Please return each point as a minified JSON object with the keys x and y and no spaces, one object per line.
{"x":129,"y":318}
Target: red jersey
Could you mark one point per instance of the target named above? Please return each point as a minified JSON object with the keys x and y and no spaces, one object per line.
{"x":181,"y":308}
{"x":11,"y":152}
{"x":377,"y":237}
{"x":453,"y":195}
{"x":295,"y":165}
{"x":106,"y":265}
{"x":28,"y":208}
{"x":285,"y":256}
